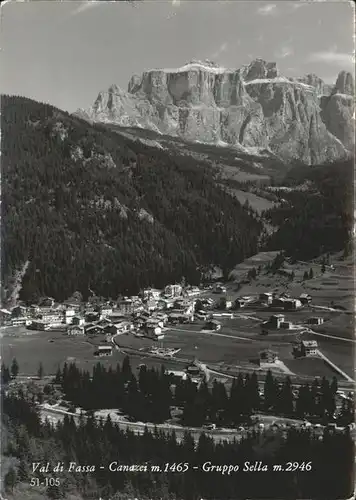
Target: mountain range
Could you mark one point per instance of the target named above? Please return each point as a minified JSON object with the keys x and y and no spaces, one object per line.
{"x":252,"y":108}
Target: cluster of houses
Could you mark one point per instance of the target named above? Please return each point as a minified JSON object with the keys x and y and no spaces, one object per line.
{"x":38,"y":316}
{"x":272,"y":300}
{"x":278,"y":321}
{"x":302,"y":348}
{"x":192,"y":370}
{"x":146,"y":314}
{"x":284,"y":301}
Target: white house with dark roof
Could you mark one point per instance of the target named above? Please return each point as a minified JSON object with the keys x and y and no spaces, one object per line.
{"x":123,"y":327}
{"x":315,"y":320}
{"x":173,"y":291}
{"x":153,"y":293}
{"x":75,"y":330}
{"x":309,"y":348}
{"x":305,"y":298}
{"x":78,"y":320}
{"x":94,"y":330}
{"x":104,"y":350}
{"x":38,"y":325}
{"x":68,"y":316}
{"x":266,"y":297}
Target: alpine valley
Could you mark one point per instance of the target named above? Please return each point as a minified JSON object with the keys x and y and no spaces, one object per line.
{"x":147,"y":246}
{"x":172,"y":179}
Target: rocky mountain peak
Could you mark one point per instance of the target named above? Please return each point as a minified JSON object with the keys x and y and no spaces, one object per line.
{"x":338,"y":110}
{"x":260,"y":69}
{"x":251,"y":107}
{"x":115,"y":89}
{"x":315,"y":81}
{"x":134,"y":83}
{"x":344,"y":83}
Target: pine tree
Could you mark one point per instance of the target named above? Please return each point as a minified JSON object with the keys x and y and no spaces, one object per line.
{"x":328,"y":397}
{"x":14,"y":368}
{"x":301,"y":403}
{"x":5,"y":374}
{"x":254,"y":391}
{"x":201,"y":404}
{"x":252,"y":273}
{"x":270,"y":395}
{"x":218,"y":401}
{"x":334,"y":386}
{"x":58,"y":377}
{"x":10,"y":480}
{"x":54,"y":492}
{"x":198,"y":306}
{"x":188,"y":444}
{"x":311,"y":273}
{"x":236,"y":401}
{"x":305,"y":275}
{"x":40,"y":371}
{"x":126,"y":368}
{"x":277,"y":262}
{"x":23,"y":470}
{"x":222,"y":303}
{"x":286,"y":397}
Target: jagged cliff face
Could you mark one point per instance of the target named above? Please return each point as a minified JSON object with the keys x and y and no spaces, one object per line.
{"x":254,"y":106}
{"x":338,"y":110}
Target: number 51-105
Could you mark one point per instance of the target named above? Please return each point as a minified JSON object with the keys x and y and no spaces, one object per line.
{"x":47,"y":481}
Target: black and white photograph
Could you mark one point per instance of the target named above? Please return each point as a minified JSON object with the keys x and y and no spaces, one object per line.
{"x":177,"y":250}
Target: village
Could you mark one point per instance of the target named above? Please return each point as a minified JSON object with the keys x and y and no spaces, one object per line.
{"x":206,"y":334}
{"x":130,"y":322}
{"x":150,"y":314}
{"x":157,"y":326}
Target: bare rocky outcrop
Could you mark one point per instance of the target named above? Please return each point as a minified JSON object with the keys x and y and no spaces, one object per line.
{"x":144,"y":215}
{"x":338,"y":108}
{"x":319,"y":85}
{"x":253,"y":106}
{"x":337,"y":114}
{"x":59,"y":130}
{"x":344,"y":84}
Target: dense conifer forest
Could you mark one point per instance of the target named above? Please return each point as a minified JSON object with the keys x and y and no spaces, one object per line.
{"x":99,"y":443}
{"x":148,"y":396}
{"x":316,"y":216}
{"x":89,"y":441}
{"x":88,"y":210}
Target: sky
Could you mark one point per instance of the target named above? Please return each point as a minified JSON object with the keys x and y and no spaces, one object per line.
{"x":65,"y":53}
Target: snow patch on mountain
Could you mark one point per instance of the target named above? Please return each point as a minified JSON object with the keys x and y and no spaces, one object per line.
{"x":197,"y":66}
{"x":279,"y":79}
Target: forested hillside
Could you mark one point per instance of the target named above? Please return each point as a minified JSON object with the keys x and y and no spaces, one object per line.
{"x":88,"y":210}
{"x":310,"y":468}
{"x":316,"y":212}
